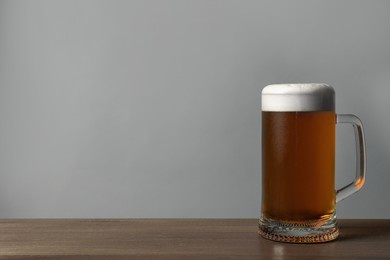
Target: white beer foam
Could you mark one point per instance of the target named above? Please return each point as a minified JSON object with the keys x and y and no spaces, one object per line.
{"x":298,"y":97}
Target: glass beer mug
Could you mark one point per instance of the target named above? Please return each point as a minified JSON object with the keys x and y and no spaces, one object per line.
{"x":298,"y":162}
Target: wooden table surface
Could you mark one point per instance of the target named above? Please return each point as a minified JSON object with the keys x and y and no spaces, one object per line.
{"x":179,"y":239}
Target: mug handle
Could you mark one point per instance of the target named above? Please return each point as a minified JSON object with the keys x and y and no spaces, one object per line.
{"x":360,"y":177}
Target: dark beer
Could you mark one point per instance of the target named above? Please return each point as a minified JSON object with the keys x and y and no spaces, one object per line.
{"x":298,"y":165}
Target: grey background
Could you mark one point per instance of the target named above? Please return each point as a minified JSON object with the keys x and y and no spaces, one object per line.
{"x":152,"y":108}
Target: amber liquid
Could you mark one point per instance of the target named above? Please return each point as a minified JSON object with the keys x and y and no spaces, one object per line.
{"x":298,"y":165}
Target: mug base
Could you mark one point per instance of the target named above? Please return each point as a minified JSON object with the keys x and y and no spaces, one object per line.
{"x":299,"y":232}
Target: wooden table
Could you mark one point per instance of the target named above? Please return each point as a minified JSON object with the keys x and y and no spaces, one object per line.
{"x":179,"y":239}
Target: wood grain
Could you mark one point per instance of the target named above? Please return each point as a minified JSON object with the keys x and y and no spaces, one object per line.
{"x":179,"y":239}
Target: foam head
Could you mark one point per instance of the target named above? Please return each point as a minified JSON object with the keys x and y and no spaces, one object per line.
{"x":298,"y":97}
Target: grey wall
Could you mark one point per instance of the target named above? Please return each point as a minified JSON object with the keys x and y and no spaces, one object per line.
{"x":152,"y":108}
